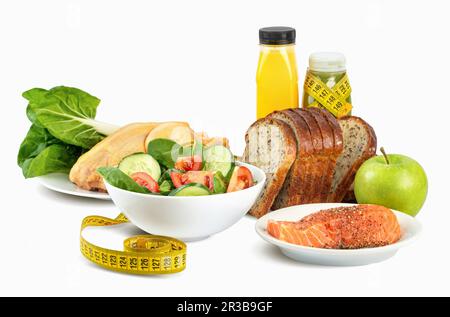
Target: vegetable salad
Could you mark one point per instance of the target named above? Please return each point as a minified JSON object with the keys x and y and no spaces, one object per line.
{"x":173,"y":170}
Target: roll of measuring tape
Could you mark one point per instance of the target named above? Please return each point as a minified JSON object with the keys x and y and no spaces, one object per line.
{"x":332,"y":99}
{"x":142,"y":254}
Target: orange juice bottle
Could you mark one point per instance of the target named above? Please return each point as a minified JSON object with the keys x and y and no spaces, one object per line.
{"x":276,"y":77}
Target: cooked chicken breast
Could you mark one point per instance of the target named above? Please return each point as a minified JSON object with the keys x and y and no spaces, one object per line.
{"x":109,"y":152}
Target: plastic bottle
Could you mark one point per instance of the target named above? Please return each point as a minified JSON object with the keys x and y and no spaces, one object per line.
{"x":276,"y":77}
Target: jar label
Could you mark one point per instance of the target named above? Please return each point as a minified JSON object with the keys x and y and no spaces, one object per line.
{"x":332,"y":99}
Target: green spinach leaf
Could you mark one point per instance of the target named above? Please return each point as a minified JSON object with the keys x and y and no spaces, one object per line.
{"x":56,"y":158}
{"x":40,"y":153}
{"x":165,"y":187}
{"x":68,"y":114}
{"x":117,"y":178}
{"x":165,"y":151}
{"x":36,"y":140}
{"x":62,"y":127}
{"x":220,"y":183}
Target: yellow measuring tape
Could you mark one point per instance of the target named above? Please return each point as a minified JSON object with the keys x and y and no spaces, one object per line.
{"x":334,"y":100}
{"x":143,"y":254}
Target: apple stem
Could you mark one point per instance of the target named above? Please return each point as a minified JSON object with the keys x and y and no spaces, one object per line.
{"x":384,"y":154}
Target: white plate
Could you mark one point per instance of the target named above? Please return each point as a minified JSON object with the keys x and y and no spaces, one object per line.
{"x":411,"y":228}
{"x":61,"y":183}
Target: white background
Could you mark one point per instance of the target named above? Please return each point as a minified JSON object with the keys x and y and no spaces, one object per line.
{"x":196,"y":61}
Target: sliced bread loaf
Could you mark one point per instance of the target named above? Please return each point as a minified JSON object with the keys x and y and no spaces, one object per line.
{"x":271,"y":146}
{"x":360,"y":143}
{"x":296,"y":185}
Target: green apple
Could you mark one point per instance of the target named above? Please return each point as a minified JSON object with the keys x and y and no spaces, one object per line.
{"x":394,"y":181}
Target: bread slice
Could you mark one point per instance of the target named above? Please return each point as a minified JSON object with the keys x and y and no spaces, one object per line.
{"x":297,"y":184}
{"x":360,"y":143}
{"x":327,"y":157}
{"x":316,"y":164}
{"x":271,"y":146}
{"x":337,"y":150}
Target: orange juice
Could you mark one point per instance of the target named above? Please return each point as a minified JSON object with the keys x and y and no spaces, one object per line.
{"x":276,"y":77}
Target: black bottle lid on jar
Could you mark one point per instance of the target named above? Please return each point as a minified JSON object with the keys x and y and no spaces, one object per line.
{"x":277,"y":35}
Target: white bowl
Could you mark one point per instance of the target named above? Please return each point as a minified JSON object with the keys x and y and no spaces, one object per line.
{"x":411,"y":229}
{"x":187,"y":218}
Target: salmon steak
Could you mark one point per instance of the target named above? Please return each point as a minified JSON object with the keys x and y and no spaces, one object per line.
{"x":352,"y":227}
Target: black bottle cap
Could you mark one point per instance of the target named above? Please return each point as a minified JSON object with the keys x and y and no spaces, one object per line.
{"x":277,"y":35}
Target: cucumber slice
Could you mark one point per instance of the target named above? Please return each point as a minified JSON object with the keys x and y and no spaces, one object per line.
{"x":140,"y":162}
{"x":192,"y":189}
{"x":218,"y":159}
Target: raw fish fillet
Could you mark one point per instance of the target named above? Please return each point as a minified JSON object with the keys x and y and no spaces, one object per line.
{"x":353,"y":227}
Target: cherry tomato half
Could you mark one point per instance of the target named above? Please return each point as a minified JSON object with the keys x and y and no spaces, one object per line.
{"x":201,"y":177}
{"x":176,"y":179}
{"x":240,"y":179}
{"x":145,"y":180}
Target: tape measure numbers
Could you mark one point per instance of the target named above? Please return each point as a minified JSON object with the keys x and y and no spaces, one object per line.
{"x":143,"y":254}
{"x":334,"y":100}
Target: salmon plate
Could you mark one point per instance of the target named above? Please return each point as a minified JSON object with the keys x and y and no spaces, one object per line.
{"x":352,"y":227}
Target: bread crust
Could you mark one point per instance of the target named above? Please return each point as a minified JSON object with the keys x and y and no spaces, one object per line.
{"x":296,"y":185}
{"x":317,"y":163}
{"x":273,"y":185}
{"x":338,"y":137}
{"x":370,"y":150}
{"x":333,"y":155}
{"x":325,"y":159}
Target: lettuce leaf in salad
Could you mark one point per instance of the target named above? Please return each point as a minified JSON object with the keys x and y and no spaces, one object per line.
{"x":166,"y":187}
{"x":220,"y":183}
{"x":165,"y":151}
{"x":117,"y":178}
